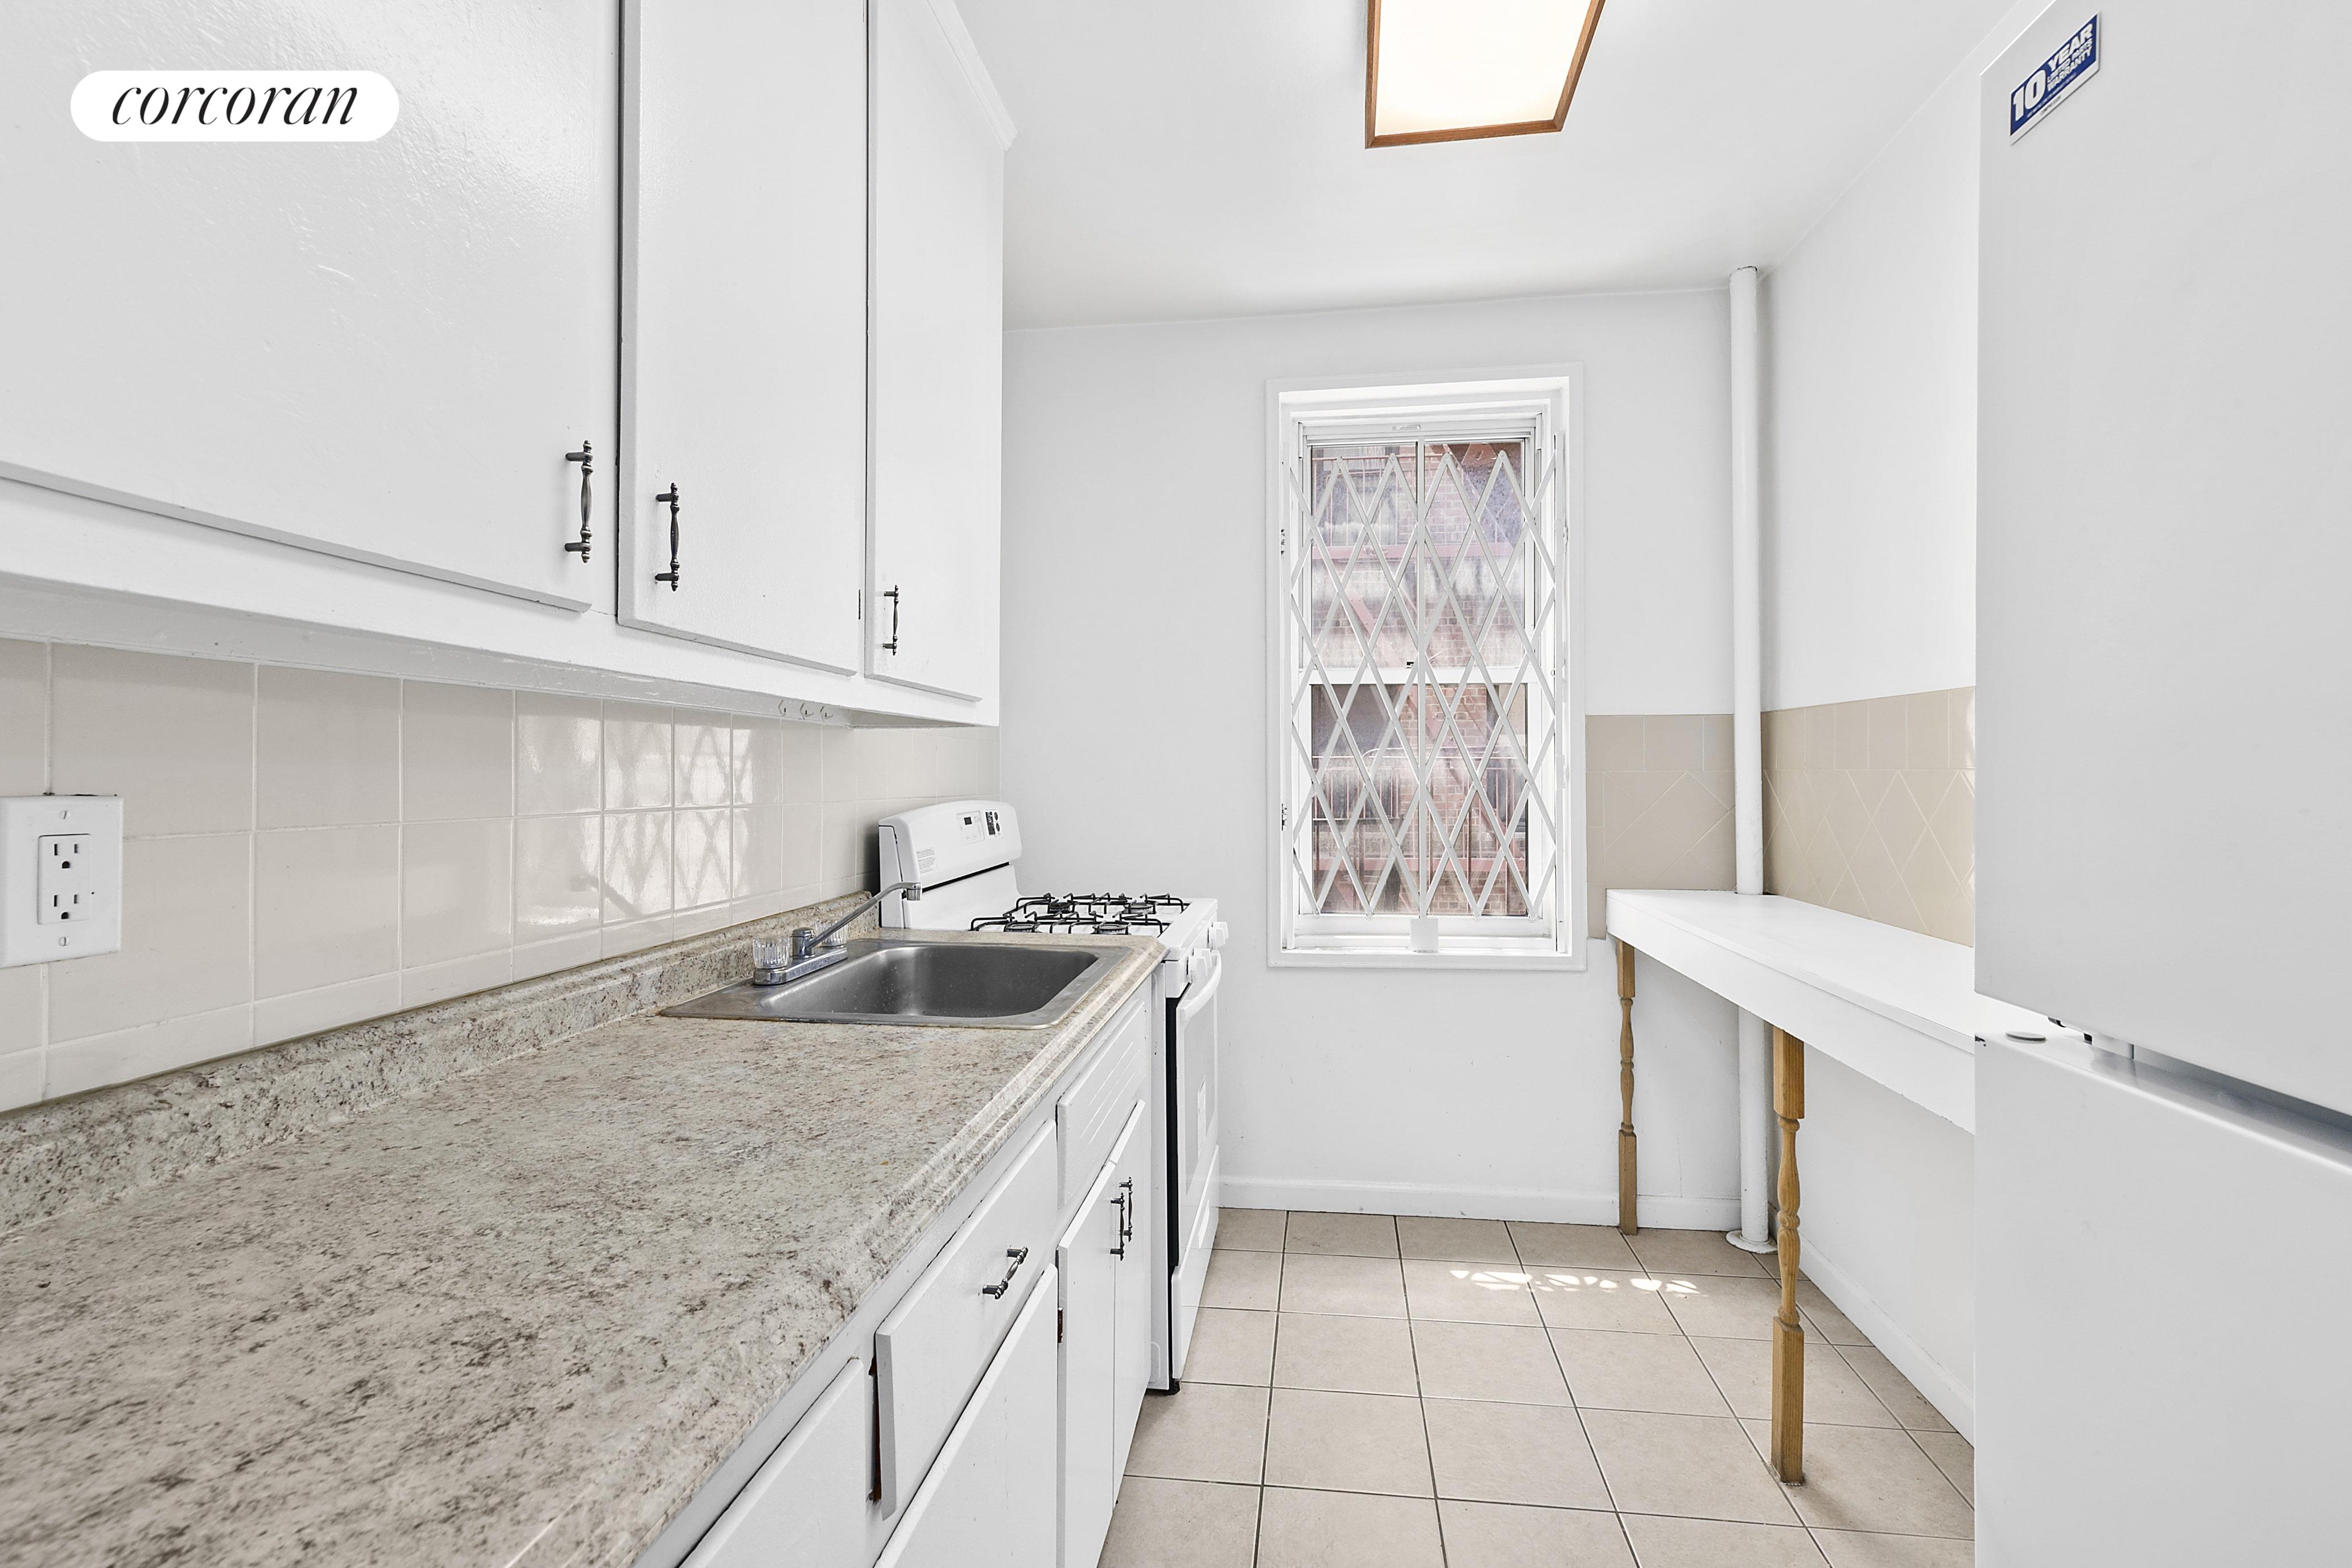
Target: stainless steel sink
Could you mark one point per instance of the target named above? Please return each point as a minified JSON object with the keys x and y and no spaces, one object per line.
{"x":905,"y":980}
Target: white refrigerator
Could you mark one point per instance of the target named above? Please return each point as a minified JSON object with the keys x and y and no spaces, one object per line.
{"x":2164,"y":827}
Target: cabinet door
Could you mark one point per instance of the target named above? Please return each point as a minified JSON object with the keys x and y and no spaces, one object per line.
{"x":1088,"y":1260}
{"x":806,"y":1507}
{"x":381,"y":350}
{"x":938,"y":139}
{"x":744,"y":325}
{"x":1130,"y":1176}
{"x":989,"y":1499}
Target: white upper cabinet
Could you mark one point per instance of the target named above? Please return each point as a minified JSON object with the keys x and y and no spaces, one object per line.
{"x":381,"y":350}
{"x":744,"y":325}
{"x":938,"y":316}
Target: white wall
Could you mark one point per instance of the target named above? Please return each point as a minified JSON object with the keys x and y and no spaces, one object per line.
{"x":1870,"y":441}
{"x":1135,"y":648}
{"x":1870,"y":591}
{"x":1889,"y":1227}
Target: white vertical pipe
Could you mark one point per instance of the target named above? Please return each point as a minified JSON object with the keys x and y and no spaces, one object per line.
{"x":1747,"y":735}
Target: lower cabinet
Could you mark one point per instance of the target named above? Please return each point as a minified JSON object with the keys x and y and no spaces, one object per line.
{"x":1104,"y":1263}
{"x":807,"y":1504}
{"x":989,"y":1499}
{"x":994,"y":1423}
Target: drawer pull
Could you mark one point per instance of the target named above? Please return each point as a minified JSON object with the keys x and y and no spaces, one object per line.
{"x":1020,"y":1254}
{"x":586,"y":459}
{"x":669,"y":498}
{"x":1125,"y":1201}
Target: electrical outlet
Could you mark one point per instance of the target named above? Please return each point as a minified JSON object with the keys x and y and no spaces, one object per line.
{"x":67,"y":880}
{"x":60,"y":877}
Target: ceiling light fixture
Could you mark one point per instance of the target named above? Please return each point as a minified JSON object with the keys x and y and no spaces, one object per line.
{"x":1449,"y":71}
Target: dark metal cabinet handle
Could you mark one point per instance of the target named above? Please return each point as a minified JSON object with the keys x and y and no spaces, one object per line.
{"x":587,"y":462}
{"x":1125,"y":1201}
{"x":669,"y":496}
{"x":1020,"y":1254}
{"x":891,"y":593}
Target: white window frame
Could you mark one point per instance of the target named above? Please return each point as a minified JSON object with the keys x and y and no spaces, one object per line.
{"x":1553,"y":396}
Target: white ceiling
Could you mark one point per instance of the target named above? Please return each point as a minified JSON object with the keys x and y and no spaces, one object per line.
{"x":1192,"y":158}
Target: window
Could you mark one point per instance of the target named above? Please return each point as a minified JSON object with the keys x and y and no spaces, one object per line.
{"x":1422,"y":716}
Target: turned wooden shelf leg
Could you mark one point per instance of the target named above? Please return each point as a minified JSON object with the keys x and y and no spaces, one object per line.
{"x":1628,"y":1172}
{"x":1788,"y":1329}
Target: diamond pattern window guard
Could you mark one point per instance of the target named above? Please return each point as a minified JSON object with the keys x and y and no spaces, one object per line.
{"x":1425,"y":766}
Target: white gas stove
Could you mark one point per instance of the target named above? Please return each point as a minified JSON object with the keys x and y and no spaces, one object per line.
{"x":962,"y":852}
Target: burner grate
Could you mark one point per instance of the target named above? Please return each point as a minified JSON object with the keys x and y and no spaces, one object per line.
{"x":1086,"y":914}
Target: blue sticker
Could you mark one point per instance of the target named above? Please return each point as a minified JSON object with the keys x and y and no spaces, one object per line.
{"x":2074,"y":63}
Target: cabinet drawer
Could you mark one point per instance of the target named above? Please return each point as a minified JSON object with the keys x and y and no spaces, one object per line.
{"x":989,"y":1501}
{"x":807,"y":1504}
{"x":1092,"y":1111}
{"x":932,"y":1347}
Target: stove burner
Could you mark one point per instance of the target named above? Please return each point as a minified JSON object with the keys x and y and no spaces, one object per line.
{"x":1086,"y":914}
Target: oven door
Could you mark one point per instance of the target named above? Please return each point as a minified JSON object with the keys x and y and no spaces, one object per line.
{"x":1193,"y":1144}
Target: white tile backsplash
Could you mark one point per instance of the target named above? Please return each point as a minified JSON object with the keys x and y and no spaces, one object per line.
{"x":187,"y":940}
{"x":326,"y":749}
{"x":701,"y":749}
{"x":326,"y":906}
{"x":173,"y":737}
{"x":306,"y":849}
{"x":456,"y":891}
{"x":636,"y":756}
{"x":559,"y":754}
{"x":24,"y":718}
{"x":456,"y":753}
{"x":558,"y":891}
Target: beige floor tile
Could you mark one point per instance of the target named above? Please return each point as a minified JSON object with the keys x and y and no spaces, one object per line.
{"x":1231,"y":1346}
{"x":1182,"y":1524}
{"x":1533,"y":1454}
{"x":1459,"y":1240}
{"x":1344,"y":1356}
{"x":1497,"y":1536}
{"x":1722,"y":1306}
{"x":1872,"y":1478}
{"x":1488,"y":1360}
{"x":1346,"y":1530}
{"x":1833,"y":1395}
{"x":1347,"y":1443}
{"x":1663,"y":1543}
{"x":1698,"y":1465}
{"x":1208,"y":1432}
{"x":1894,"y":1389}
{"x":1250,"y":1230}
{"x":1955,"y":1456}
{"x":1251,"y":1280}
{"x":1359,"y":1287}
{"x":1847,"y":1549}
{"x":1341,"y":1234}
{"x":1468,"y":1292}
{"x":1625,"y":1303}
{"x":1694,"y":1252}
{"x":1636,"y":1371}
{"x":1572,"y":1246}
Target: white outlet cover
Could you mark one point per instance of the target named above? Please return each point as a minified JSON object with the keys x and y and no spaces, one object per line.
{"x":25,"y":821}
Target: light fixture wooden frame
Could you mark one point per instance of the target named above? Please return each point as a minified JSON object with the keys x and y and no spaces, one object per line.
{"x":1466,"y":132}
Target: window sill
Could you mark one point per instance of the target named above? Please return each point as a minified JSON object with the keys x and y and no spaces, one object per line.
{"x":1467,"y":958}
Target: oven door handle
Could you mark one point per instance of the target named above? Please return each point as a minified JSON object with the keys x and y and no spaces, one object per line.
{"x":1201,"y":994}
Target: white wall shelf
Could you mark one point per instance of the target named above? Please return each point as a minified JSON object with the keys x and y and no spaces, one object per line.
{"x":1900,"y":1008}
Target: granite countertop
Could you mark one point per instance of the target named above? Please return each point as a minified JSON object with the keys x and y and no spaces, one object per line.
{"x":515,"y":1319}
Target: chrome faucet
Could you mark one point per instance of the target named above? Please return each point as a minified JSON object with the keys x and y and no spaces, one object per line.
{"x":809,"y":953}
